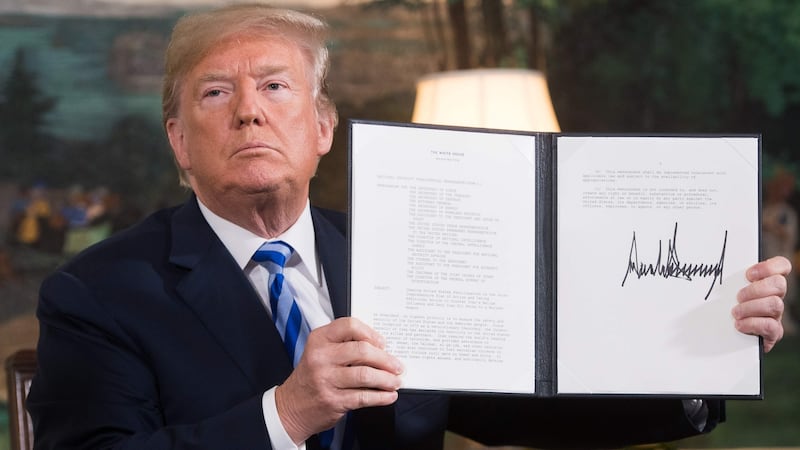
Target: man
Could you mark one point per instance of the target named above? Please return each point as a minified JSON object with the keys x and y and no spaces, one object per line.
{"x":162,"y":337}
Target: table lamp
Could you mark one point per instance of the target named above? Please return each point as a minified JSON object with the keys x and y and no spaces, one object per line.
{"x":510,"y":99}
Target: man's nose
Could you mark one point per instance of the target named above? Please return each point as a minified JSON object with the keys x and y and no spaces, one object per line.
{"x":249,"y":108}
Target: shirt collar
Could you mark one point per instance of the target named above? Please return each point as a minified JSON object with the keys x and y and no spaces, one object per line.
{"x":242,"y":243}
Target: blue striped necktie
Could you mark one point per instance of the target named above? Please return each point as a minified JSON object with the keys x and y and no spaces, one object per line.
{"x":288,"y":319}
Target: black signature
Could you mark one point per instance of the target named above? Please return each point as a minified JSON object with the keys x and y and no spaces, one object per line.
{"x":673,"y":268}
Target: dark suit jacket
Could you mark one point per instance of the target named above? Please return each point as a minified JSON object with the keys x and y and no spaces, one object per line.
{"x":155,"y":339}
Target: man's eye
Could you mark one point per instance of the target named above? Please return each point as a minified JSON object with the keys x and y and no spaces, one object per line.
{"x":213,"y":93}
{"x":273,"y":86}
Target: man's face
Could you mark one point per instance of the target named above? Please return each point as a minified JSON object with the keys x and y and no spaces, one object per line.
{"x":247,"y":121}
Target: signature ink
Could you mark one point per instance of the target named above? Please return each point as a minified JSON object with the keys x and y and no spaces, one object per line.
{"x":672,"y":267}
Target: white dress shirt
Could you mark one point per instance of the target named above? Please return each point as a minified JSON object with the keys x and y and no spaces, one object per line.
{"x":303,"y":272}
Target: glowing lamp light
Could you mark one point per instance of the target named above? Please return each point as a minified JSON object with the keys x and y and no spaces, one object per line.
{"x":509,"y":99}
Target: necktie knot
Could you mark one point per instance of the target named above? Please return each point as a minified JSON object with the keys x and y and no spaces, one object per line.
{"x":273,"y":255}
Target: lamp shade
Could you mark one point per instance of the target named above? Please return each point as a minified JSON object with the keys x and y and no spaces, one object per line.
{"x":510,"y":99}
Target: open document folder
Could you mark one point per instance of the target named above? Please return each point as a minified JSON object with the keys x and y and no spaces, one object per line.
{"x":556,"y":264}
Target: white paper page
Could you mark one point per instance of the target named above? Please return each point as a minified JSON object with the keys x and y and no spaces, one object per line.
{"x":442,"y":248}
{"x":654,"y":237}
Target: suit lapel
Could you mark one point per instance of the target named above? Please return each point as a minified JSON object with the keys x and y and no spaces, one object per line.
{"x":332,"y":248}
{"x":224,"y":300}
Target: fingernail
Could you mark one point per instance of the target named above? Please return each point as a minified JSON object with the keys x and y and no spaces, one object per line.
{"x":399,"y":369}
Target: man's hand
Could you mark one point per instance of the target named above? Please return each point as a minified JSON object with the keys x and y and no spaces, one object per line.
{"x":760,"y":305}
{"x":344,"y":367}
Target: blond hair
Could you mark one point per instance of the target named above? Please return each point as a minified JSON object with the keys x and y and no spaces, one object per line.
{"x":195,"y":35}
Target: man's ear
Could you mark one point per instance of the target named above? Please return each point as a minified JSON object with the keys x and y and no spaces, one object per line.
{"x":177,"y":140}
{"x":325,"y":128}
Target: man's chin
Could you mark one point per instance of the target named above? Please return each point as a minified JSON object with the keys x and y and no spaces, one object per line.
{"x":266,"y":188}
